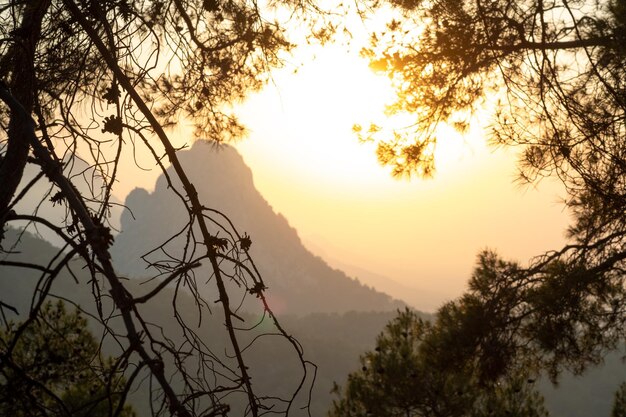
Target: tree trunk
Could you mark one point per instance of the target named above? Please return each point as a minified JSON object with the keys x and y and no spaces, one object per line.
{"x":23,"y":87}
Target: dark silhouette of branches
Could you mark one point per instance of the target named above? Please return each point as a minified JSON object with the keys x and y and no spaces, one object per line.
{"x":137,"y":67}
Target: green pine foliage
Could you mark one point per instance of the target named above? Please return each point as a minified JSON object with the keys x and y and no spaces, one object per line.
{"x":402,"y":377}
{"x":54,"y":368}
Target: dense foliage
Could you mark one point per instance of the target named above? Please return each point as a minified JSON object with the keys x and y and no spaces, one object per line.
{"x":57,"y":369}
{"x":406,"y":375}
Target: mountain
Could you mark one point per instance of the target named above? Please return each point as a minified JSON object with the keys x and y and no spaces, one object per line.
{"x":87,"y":179}
{"x":299,"y":282}
{"x":421,"y":298}
{"x":332,"y":341}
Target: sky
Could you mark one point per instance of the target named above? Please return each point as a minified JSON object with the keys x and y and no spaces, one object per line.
{"x":423,"y":233}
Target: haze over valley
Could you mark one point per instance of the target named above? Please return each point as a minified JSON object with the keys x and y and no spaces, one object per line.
{"x":333,"y":314}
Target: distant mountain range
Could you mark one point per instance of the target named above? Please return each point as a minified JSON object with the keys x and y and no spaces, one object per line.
{"x":334,"y":317}
{"x":299,"y":282}
{"x":332,"y":341}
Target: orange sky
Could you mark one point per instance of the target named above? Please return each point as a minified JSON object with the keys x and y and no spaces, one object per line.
{"x":423,"y":233}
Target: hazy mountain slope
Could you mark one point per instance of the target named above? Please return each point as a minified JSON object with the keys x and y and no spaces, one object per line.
{"x":332,"y":341}
{"x":298,"y":281}
{"x":37,"y":201}
{"x":417,"y":297}
{"x":588,"y":395}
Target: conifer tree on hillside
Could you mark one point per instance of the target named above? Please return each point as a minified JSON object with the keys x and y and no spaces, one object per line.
{"x":56,"y":368}
{"x":551,"y":76}
{"x":405,"y":377}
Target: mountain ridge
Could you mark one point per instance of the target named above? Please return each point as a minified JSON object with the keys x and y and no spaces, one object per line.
{"x":299,"y":282}
{"x":332,"y":341}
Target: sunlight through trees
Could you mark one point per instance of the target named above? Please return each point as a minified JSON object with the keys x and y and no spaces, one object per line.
{"x":553,"y":75}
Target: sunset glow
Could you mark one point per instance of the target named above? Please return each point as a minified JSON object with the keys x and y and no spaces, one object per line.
{"x":309,"y":165}
{"x":312,"y":208}
{"x":423,"y":233}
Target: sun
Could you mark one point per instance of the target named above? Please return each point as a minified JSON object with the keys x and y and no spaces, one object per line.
{"x":309,"y":165}
{"x":306,"y":119}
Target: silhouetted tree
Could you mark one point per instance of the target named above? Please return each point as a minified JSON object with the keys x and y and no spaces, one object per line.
{"x":552,"y":76}
{"x":57,"y":368}
{"x":88,"y":81}
{"x":506,"y":320}
{"x":619,"y":403}
{"x":405,"y":376}
{"x":557,"y":316}
{"x":556,"y":67}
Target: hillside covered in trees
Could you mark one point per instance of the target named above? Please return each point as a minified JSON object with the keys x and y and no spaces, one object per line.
{"x":333,"y":341}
